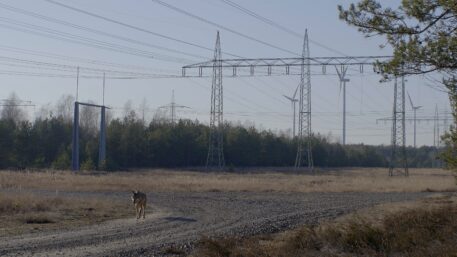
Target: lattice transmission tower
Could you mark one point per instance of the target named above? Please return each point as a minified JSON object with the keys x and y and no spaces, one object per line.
{"x":304,"y":113}
{"x":215,"y":157}
{"x":304,"y":62}
{"x":398,"y":156}
{"x":172,"y":106}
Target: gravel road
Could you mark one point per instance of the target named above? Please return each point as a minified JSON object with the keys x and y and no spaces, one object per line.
{"x":179,"y":219}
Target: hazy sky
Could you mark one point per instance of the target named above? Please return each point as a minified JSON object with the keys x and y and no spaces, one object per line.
{"x":73,"y":39}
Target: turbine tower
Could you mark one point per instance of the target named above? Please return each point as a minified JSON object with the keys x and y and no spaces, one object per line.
{"x":342,"y":76}
{"x":293,"y":101}
{"x":415,"y":108}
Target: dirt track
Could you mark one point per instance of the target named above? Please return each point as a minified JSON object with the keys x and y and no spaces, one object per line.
{"x":179,"y":219}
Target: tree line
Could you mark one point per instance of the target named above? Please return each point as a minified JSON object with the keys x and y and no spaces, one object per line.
{"x":134,"y":143}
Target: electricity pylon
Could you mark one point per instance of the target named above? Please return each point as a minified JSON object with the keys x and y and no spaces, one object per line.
{"x":415,"y":108}
{"x":436,"y":129}
{"x":398,"y":140}
{"x":172,"y":107}
{"x":304,"y":113}
{"x":436,"y":119}
{"x":293,"y":101}
{"x":215,"y":157}
{"x":251,"y":64}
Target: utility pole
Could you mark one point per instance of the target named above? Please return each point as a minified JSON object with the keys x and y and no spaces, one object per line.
{"x":342,"y":76}
{"x":415,"y":108}
{"x":102,"y":143}
{"x":293,"y":101}
{"x":103,"y":93}
{"x":75,"y":140}
{"x":77,"y":83}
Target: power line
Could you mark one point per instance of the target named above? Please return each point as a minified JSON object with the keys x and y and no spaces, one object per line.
{"x":264,"y":92}
{"x":70,"y":68}
{"x":74,"y":59}
{"x":68,"y":37}
{"x":169,"y":6}
{"x":132,"y":26}
{"x":221,"y":26}
{"x":98,"y":32}
{"x":237,"y":97}
{"x":276,"y":25}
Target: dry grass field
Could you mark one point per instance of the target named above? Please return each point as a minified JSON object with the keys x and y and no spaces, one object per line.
{"x":337,"y":180}
{"x":28,"y":204}
{"x":27,"y":213}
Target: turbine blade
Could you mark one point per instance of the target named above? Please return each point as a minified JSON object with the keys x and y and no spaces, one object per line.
{"x":410,"y":101}
{"x":290,"y":99}
{"x":182,"y":106}
{"x":295,"y":93}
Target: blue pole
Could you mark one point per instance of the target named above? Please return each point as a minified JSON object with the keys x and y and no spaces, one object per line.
{"x":102,"y":145}
{"x":75,"y":145}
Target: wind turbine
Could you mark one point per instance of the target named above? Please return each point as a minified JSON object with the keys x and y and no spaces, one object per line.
{"x":293,"y":101}
{"x":415,"y":108}
{"x":343,"y":80}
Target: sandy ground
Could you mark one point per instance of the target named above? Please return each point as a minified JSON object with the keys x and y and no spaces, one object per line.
{"x":176,"y":220}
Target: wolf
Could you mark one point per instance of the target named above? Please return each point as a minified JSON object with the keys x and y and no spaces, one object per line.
{"x":139,"y":201}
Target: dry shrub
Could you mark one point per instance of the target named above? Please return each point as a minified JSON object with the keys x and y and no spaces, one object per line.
{"x":232,"y":247}
{"x":38,"y":219}
{"x":414,"y":233}
{"x":356,"y":236}
{"x":412,"y":230}
{"x":304,"y":238}
{"x":217,"y":247}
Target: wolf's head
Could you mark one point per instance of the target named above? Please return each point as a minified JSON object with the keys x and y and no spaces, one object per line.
{"x":134,"y":195}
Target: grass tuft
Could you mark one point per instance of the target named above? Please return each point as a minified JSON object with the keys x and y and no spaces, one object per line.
{"x":173,"y":250}
{"x":223,"y":247}
{"x":38,"y":219}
